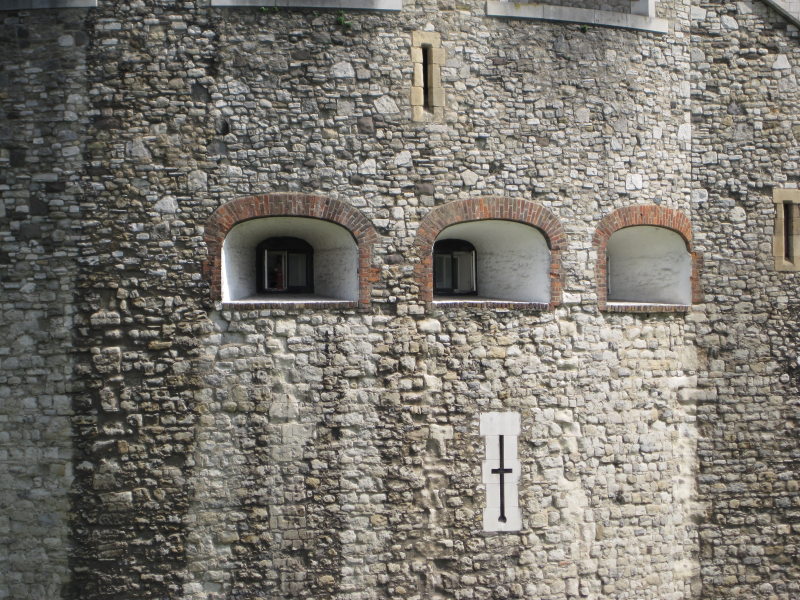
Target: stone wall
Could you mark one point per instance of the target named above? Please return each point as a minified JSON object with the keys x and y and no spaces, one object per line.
{"x":42,"y":133}
{"x":745,"y":94}
{"x":226,"y":451}
{"x":336,"y":453}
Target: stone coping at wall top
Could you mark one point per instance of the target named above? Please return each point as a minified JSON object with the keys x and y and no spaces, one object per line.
{"x":494,"y":8}
{"x":38,"y":4}
{"x":316,"y":304}
{"x":548,"y":12}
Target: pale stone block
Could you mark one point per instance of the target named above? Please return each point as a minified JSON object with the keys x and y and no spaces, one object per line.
{"x":417,"y":77}
{"x":431,"y":38}
{"x":434,"y":76}
{"x":490,"y":478}
{"x":781,"y":63}
{"x":491,"y":522}
{"x":386,"y":105}
{"x":510,"y":500}
{"x":493,"y":447}
{"x":645,"y":8}
{"x":437,"y":96}
{"x":417,"y":96}
{"x":786,"y":195}
{"x":429,"y":326}
{"x":502,"y":8}
{"x":437,"y":56}
{"x":500,"y":423}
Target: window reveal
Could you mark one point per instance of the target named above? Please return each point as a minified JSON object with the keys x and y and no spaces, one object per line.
{"x":285,"y":264}
{"x":427,"y":93}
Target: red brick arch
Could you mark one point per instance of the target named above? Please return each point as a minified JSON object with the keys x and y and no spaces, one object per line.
{"x":481,"y":209}
{"x":290,"y":205}
{"x":632,"y":216}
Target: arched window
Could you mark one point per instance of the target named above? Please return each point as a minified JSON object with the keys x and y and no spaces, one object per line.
{"x":285,"y":264}
{"x":454,"y":268}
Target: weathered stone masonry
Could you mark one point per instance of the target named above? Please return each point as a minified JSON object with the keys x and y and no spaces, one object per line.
{"x":160,"y":444}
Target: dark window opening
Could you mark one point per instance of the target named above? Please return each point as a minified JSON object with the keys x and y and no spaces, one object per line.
{"x":788,"y":227}
{"x":285,"y":265}
{"x":427,"y":99}
{"x":454,"y":268}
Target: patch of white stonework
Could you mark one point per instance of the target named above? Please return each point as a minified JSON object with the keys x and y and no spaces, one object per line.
{"x":211,"y":519}
{"x":285,"y":469}
{"x":501,"y":471}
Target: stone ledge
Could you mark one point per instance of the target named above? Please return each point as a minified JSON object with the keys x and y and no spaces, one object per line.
{"x":512,"y":304}
{"x":569,"y":14}
{"x":36,"y":4}
{"x":645,"y":307}
{"x":334,"y":4}
{"x":289,"y":305}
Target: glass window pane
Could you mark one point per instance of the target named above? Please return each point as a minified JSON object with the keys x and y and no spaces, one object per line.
{"x":465,"y":277}
{"x":275,"y":266}
{"x":442,"y":271}
{"x":297,"y":270}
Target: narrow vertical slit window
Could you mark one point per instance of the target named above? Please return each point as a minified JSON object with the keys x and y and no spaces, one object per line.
{"x":788,"y":228}
{"x":427,"y":94}
{"x":427,"y":100}
{"x":786,"y":234}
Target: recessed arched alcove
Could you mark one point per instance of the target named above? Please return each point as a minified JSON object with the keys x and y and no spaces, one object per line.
{"x":648,"y":264}
{"x":512,"y":260}
{"x":646,"y":261}
{"x":518,"y":245}
{"x":340,"y":236}
{"x":335,"y":258}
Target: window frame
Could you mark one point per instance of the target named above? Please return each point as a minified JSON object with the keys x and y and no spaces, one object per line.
{"x":455,"y":248}
{"x":287,"y":246}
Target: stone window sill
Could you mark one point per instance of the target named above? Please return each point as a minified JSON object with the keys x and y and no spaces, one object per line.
{"x":293,"y":302}
{"x":569,"y":14}
{"x":439,"y":302}
{"x":645,"y":307}
{"x":333,"y":4}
